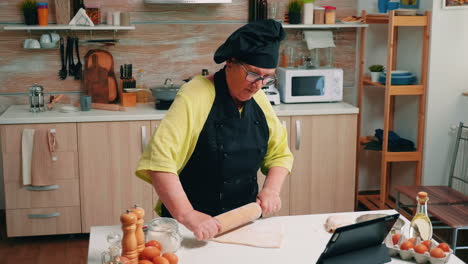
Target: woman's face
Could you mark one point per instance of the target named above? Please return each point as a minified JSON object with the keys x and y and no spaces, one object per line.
{"x":240,"y":89}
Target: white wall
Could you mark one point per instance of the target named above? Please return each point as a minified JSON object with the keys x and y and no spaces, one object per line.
{"x":448,"y":78}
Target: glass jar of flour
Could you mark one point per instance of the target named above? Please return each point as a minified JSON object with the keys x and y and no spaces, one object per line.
{"x":166,"y":231}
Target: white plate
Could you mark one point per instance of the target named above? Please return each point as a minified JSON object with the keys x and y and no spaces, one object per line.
{"x":69,"y":109}
{"x":351,"y":22}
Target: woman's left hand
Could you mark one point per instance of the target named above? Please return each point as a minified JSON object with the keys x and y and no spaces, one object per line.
{"x":269,"y":200}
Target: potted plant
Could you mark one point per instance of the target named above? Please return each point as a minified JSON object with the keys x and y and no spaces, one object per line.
{"x":375,"y":71}
{"x":29,"y":11}
{"x":294,"y":10}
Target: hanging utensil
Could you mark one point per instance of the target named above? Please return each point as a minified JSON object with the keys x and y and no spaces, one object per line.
{"x":78,"y":66}
{"x":63,"y":71}
{"x":71,"y":65}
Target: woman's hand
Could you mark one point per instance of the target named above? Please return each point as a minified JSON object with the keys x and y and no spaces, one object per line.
{"x":203,"y":226}
{"x":269,"y":201}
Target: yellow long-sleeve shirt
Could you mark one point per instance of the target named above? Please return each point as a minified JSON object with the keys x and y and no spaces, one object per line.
{"x":175,"y":139}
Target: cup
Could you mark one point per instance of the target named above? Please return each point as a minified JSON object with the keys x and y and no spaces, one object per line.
{"x":116,"y":18}
{"x":272,"y":10}
{"x":393,"y":5}
{"x":125,"y":19}
{"x":383,"y":6}
{"x":291,"y":57}
{"x":85,"y":102}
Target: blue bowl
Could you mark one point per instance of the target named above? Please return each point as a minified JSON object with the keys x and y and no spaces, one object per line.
{"x":399,"y":78}
{"x":398,"y":73}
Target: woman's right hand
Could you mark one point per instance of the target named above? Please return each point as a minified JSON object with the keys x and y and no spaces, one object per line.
{"x":203,"y":226}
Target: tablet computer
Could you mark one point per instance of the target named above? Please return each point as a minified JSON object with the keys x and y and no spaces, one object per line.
{"x":360,"y":243}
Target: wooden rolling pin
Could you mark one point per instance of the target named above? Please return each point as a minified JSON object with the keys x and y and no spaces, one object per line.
{"x":239,"y":216}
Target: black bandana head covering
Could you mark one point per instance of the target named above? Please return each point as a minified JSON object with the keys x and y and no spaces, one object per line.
{"x":256,"y":43}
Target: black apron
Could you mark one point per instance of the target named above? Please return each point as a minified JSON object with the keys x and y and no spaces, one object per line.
{"x":221,"y":174}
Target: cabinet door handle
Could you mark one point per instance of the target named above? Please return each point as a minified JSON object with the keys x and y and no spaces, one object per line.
{"x":298,"y":134}
{"x":43,"y":215}
{"x":42,"y":188}
{"x":143,"y":138}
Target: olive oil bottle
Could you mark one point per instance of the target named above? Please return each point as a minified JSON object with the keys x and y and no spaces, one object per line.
{"x":421,"y":225}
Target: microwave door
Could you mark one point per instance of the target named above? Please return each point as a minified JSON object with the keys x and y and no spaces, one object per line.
{"x":308,"y":86}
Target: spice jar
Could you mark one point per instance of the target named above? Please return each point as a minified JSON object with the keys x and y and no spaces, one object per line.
{"x":319,"y":15}
{"x":94,"y":13}
{"x":166,"y":231}
{"x":330,"y":14}
{"x":43,"y":13}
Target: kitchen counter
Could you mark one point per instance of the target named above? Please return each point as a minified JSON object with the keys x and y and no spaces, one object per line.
{"x":303,"y":242}
{"x":19,"y":114}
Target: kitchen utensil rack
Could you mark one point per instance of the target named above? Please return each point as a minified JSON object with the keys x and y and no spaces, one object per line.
{"x":382,"y":200}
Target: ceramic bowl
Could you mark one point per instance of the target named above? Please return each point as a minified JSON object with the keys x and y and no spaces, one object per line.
{"x":399,"y":78}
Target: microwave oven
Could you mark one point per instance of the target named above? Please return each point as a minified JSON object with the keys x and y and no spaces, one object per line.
{"x":310,"y":85}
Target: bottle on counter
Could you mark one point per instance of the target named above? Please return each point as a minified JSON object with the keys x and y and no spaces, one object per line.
{"x":421,"y":226}
{"x":142,"y":96}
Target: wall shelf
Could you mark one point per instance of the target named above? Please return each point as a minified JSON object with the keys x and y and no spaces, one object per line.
{"x":415,"y":89}
{"x":324,"y":26}
{"x":68,"y":27}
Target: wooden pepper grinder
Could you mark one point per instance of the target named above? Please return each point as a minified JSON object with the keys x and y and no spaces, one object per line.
{"x":140,"y":235}
{"x":129,"y":242}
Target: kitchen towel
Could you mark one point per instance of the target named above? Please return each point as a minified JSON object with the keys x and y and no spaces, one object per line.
{"x":44,"y":158}
{"x":27,"y":144}
{"x":319,"y":39}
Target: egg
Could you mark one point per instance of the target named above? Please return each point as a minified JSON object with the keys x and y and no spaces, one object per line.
{"x":153,"y":243}
{"x":444,"y":246}
{"x":421,"y":249}
{"x":160,"y":260}
{"x":406,"y":245}
{"x":173,"y":259}
{"x":149,"y":253}
{"x":396,"y":238}
{"x":437,"y":253}
{"x":427,"y":243}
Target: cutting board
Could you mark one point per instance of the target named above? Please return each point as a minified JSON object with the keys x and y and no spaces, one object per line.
{"x":99,"y":78}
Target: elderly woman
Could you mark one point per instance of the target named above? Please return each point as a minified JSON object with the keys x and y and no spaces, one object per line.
{"x":204,"y":157}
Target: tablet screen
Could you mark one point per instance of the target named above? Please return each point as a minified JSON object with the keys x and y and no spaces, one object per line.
{"x":359,"y":236}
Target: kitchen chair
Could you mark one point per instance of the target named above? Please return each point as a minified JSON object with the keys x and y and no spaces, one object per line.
{"x":455,"y":217}
{"x":458,"y":179}
{"x":447,"y":203}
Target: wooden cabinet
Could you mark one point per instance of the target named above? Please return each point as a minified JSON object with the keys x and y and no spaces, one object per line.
{"x":322,"y":179}
{"x":47,"y":210}
{"x":284,"y":195}
{"x":108,"y":156}
{"x":95,"y":172}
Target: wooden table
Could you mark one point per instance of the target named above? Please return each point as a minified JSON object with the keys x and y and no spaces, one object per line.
{"x":304,"y":240}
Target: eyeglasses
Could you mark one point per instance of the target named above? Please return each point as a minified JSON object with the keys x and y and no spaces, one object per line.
{"x":254,"y":77}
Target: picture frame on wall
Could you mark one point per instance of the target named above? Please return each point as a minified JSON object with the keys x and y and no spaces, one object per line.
{"x":412,"y":4}
{"x":454,"y":4}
